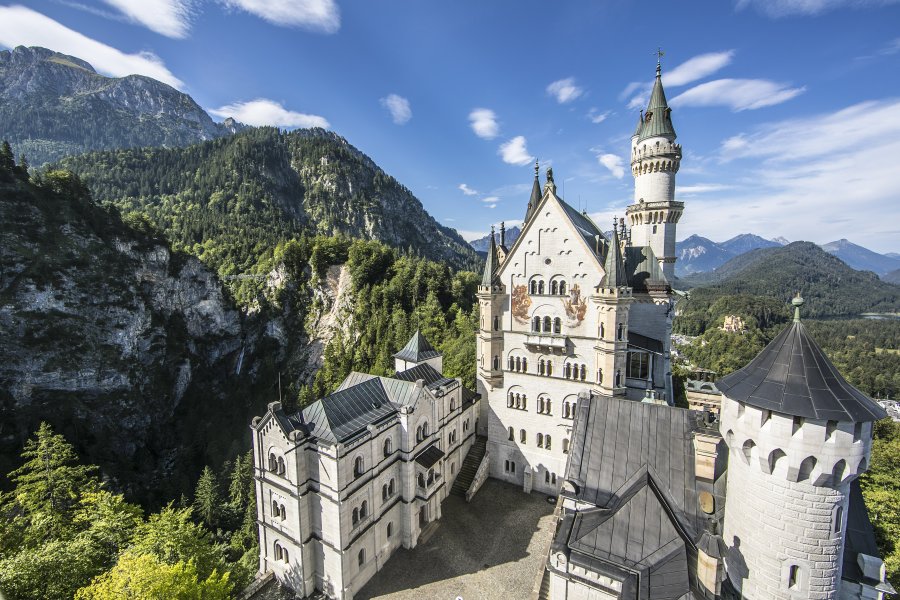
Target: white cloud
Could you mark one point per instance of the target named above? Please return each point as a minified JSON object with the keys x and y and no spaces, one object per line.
{"x":597,"y":117}
{"x":491,"y":200}
{"x":514,"y":151}
{"x":171,"y":18}
{"x":786,"y":8}
{"x":399,"y":108}
{"x":471,"y":236}
{"x":701,"y":188}
{"x":818,"y":178}
{"x":613,"y":162}
{"x":20,"y":26}
{"x":467,"y":190}
{"x":263,"y":111}
{"x":696,"y":68}
{"x":564,"y":90}
{"x":737,"y":94}
{"x":484,"y":123}
{"x":316,"y":15}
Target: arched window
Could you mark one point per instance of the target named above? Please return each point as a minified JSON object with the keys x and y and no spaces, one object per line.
{"x":837,"y":473}
{"x":621,"y":332}
{"x":421,"y":480}
{"x":518,"y":363}
{"x":568,"y":372}
{"x":391,"y":487}
{"x":565,"y":446}
{"x":536,"y":324}
{"x":355,"y":518}
{"x":283,"y":512}
{"x":419,"y":433}
{"x":540,"y":287}
{"x":599,"y":375}
{"x":562,"y":288}
{"x":364,"y":509}
{"x":388,"y":447}
{"x":549,"y":368}
{"x":425,"y":429}
{"x":524,"y":365}
{"x":547,"y":408}
{"x":583,"y":372}
{"x":274,"y":508}
{"x":384,"y":492}
{"x":602,"y":330}
{"x":618,"y":378}
{"x":547,"y":441}
{"x":361,"y":557}
{"x":496,"y":363}
{"x":548,"y":325}
{"x":554,"y":288}
{"x":496,"y":323}
{"x":540,"y":440}
{"x":518,"y":401}
{"x":358,"y":467}
{"x":533,"y":287}
{"x":522,"y":437}
{"x":838,"y":519}
{"x":524,"y":402}
{"x":541,"y":367}
{"x":806,"y":468}
{"x":511,"y":434}
{"x":273,"y":463}
{"x":390,"y":529}
{"x":747,"y":449}
{"x":281,"y":467}
{"x":566,"y":406}
{"x":512,"y":362}
{"x":540,"y":404}
{"x":510,"y":400}
{"x":557,"y":325}
{"x":279,"y":552}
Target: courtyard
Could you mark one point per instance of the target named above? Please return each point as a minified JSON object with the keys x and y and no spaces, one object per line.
{"x":492,"y":547}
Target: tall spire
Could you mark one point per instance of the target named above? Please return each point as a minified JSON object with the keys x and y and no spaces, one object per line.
{"x":657,"y":121}
{"x":490,"y":264}
{"x":615,"y":267}
{"x":535,"y":194}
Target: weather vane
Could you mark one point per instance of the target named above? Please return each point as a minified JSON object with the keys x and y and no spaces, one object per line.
{"x":659,"y":54}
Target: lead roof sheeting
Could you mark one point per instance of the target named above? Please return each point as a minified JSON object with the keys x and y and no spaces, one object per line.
{"x":584,"y":225}
{"x":643,"y":267}
{"x":793,"y":376}
{"x":417,"y":349}
{"x":341,"y":415}
{"x":644,"y":343}
{"x":429,"y":456}
{"x":431,"y":376}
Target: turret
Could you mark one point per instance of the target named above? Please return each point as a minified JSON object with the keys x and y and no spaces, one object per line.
{"x":535,"y":195}
{"x":655,"y":159}
{"x":612,"y":297}
{"x":798,"y":434}
{"x":490,"y":296}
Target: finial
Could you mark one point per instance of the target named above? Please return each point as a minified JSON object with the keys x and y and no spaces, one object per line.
{"x":537,"y":168}
{"x":659,"y":55}
{"x":797,"y":302}
{"x":492,"y":231}
{"x":550,"y":174}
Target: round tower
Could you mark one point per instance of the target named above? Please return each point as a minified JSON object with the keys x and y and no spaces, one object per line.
{"x":797,"y":435}
{"x":491,"y":294}
{"x":655,"y":159}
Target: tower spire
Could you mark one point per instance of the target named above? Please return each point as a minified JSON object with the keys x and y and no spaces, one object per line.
{"x":535,"y":194}
{"x":490,"y":264}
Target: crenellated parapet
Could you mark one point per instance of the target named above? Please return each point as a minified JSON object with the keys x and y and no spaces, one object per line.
{"x":652,"y":213}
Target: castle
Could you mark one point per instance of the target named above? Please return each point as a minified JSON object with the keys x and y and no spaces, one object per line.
{"x":751,"y":494}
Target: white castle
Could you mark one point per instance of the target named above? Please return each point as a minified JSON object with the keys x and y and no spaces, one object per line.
{"x":753,"y":496}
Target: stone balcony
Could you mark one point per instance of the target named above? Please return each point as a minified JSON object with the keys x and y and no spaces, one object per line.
{"x":553,"y":342}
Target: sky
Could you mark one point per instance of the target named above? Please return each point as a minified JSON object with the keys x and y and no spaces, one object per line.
{"x":788,"y":111}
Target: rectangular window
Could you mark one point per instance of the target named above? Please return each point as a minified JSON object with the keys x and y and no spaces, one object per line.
{"x":638,"y":365}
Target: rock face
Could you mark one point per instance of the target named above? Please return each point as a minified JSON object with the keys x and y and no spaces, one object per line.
{"x":127,"y":349}
{"x":53,"y":105}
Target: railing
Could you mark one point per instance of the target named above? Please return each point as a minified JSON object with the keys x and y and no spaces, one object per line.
{"x":480,"y":476}
{"x":558,"y":342}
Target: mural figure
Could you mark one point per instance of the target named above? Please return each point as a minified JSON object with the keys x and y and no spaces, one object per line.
{"x":521,"y":303}
{"x":575,"y":305}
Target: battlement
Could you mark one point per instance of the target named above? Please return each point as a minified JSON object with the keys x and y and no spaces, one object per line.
{"x":646,"y":151}
{"x":665,"y":211}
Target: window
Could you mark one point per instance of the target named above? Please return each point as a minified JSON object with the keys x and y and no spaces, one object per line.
{"x":618,"y":378}
{"x":548,"y":325}
{"x":421,"y":480}
{"x":364,"y":509}
{"x":452,"y":404}
{"x":547,"y":441}
{"x":390,"y":529}
{"x":599,"y":375}
{"x":794,"y":577}
{"x":554,"y":287}
{"x":496,"y":323}
{"x":654,"y":229}
{"x":525,"y":365}
{"x":547,"y":407}
{"x":638,"y":365}
{"x":565,"y":446}
{"x":284,"y":555}
{"x":512,"y":363}
{"x":857,"y":431}
{"x":830,"y":428}
{"x":546,"y":476}
{"x":524,"y":402}
{"x":540,"y":404}
{"x":621,"y":332}
{"x":419,"y":433}
{"x":384,"y":492}
{"x":388,"y":447}
{"x":274,"y":508}
{"x":281,"y":469}
{"x":536,"y":324}
{"x":509,"y":466}
{"x":518,"y":364}
{"x":541,"y":367}
{"x":496,"y":363}
{"x":355,"y":518}
{"x":278,"y":551}
{"x":549,"y":368}
{"x":522,"y":436}
{"x":568,"y":371}
{"x":567,"y":409}
{"x":273,"y":463}
{"x":361,"y":557}
{"x":540,"y":287}
{"x":602,"y":330}
{"x":533,"y":287}
{"x":511,"y":434}
{"x":283,"y":512}
{"x":557,"y":325}
{"x":540,"y":440}
{"x":583,"y":373}
{"x":391,"y":487}
{"x":562,"y":288}
{"x":358,"y":467}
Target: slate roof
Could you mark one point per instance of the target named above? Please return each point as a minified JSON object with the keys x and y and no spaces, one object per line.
{"x":635,"y":463}
{"x":535,"y":198}
{"x":658,"y":118}
{"x":342,"y":415}
{"x":643,"y":269}
{"x":418,"y":348}
{"x":614,"y":266}
{"x":429,"y":456}
{"x":584,"y":226}
{"x":644,"y":343}
{"x":490,"y":264}
{"x":793,"y":376}
{"x":433,"y":379}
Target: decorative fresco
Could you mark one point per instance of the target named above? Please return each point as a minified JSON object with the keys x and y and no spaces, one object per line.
{"x":521,"y":303}
{"x":575,"y":305}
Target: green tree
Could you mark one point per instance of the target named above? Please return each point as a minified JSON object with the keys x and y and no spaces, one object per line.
{"x":145,"y":576}
{"x":55,"y":570}
{"x":172,"y":537}
{"x":240,"y":486}
{"x":208,"y":498}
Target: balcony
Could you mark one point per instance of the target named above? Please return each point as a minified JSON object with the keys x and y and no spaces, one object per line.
{"x":547,"y":341}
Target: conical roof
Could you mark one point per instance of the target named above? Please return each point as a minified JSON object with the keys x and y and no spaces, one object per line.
{"x":658,"y":118}
{"x":793,"y":376}
{"x":490,"y":263}
{"x":417,"y":349}
{"x":535,"y":195}
{"x":614,"y":265}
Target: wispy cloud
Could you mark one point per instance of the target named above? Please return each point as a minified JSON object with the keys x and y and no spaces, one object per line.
{"x":738,"y":94}
{"x":399,"y":108}
{"x":693,"y":69}
{"x":21,"y":26}
{"x":701,"y":188}
{"x":892,"y":47}
{"x":484,"y":123}
{"x":564,"y":90}
{"x":490,"y":201}
{"x":171,"y":18}
{"x":467,"y":190}
{"x":597,"y":117}
{"x":515,"y":152}
{"x":614,"y":163}
{"x":815,"y":178}
{"x":316,"y":15}
{"x":788,"y":8}
{"x":268,"y":112}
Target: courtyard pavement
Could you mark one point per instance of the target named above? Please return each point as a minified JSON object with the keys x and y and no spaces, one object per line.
{"x":492,"y":547}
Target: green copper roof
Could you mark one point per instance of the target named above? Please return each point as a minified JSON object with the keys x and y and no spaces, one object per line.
{"x":657,"y":120}
{"x":535,"y":195}
{"x":491,"y":263}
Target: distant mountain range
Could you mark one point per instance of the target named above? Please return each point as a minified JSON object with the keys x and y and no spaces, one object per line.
{"x":482,"y":244}
{"x":54,"y":105}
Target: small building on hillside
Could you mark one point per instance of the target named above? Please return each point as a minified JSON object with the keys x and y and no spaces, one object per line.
{"x":345,"y":482}
{"x":734,"y":324}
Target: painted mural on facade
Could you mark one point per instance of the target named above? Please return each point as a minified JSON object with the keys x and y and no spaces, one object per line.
{"x":521,"y":303}
{"x":576,"y":307}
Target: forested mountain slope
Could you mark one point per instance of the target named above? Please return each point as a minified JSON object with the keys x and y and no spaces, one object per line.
{"x":53,"y":105}
{"x":229,"y":200}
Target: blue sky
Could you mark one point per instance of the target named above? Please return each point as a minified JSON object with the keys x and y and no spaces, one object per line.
{"x":788,"y":110}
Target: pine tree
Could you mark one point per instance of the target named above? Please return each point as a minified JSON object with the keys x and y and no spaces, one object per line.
{"x":207,"y":498}
{"x":240,"y":488}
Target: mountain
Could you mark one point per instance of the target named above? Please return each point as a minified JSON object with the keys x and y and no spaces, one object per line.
{"x":861,"y":258}
{"x":482,"y":244}
{"x":781,"y":240}
{"x":698,"y":254}
{"x":53,"y":105}
{"x":746,"y":242}
{"x":830,"y":287}
{"x":229,"y":199}
{"x":892,"y":277}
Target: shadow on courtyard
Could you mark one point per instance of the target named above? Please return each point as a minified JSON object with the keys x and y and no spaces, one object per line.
{"x":492,"y":547}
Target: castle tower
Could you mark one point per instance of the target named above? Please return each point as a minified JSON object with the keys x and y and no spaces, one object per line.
{"x":490,"y":296}
{"x":655,"y":158}
{"x":798,"y":434}
{"x":613,"y":297}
